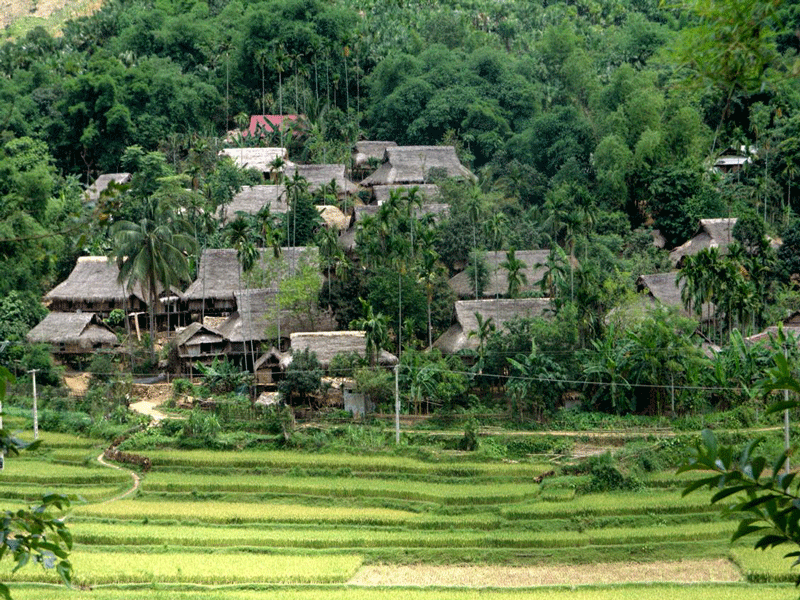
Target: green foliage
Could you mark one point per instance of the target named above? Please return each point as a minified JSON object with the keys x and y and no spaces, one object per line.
{"x":303,"y":377}
{"x":223,"y":376}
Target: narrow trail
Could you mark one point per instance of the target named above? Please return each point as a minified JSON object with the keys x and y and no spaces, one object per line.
{"x":137,"y":481}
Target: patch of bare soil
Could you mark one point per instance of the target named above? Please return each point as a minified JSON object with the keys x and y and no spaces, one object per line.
{"x":689,"y":571}
{"x":77,"y":384}
{"x":156,"y":392}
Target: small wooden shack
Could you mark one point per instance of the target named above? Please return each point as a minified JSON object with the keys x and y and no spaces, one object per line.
{"x":100,"y":185}
{"x":198,"y":343}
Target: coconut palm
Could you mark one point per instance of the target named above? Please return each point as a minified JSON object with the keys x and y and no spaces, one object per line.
{"x":153,"y":252}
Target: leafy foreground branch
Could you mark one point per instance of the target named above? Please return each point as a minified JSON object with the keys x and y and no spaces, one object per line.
{"x":766,"y":499}
{"x":35,"y":534}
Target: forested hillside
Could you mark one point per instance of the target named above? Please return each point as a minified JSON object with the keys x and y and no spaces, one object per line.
{"x":588,"y":123}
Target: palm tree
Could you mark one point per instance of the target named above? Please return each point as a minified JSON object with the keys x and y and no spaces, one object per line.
{"x":475,"y":209}
{"x":153,"y":253}
{"x":516,"y":275}
{"x":375,"y":328}
{"x":429,"y":273}
{"x":247,"y":255}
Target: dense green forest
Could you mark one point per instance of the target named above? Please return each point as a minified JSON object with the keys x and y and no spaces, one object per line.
{"x":588,"y":123}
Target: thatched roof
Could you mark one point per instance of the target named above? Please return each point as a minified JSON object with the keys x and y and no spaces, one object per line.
{"x":500,"y":311}
{"x":100,"y":184}
{"x":85,"y":330}
{"x":252,"y":199}
{"x":218,"y":274}
{"x":259,"y":159}
{"x":320,"y":175}
{"x":416,"y":164}
{"x":428,"y":192}
{"x":712,"y":233}
{"x":326,"y":345}
{"x":333,"y":217}
{"x":197,"y":333}
{"x":366,"y":150}
{"x":256,"y":318}
{"x":94,"y":279}
{"x":664,"y":288}
{"x":791,"y":325}
{"x":347,"y":239}
{"x":497,"y":285}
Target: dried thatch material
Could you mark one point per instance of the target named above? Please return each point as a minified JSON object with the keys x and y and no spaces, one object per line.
{"x":418,"y":164}
{"x":256,"y":318}
{"x":712,"y":233}
{"x":321,"y":175}
{"x":259,"y":159}
{"x":791,"y":325}
{"x":428,"y":191}
{"x":366,"y":150}
{"x":664,"y":288}
{"x":333,"y":217}
{"x":500,"y":311}
{"x":73,"y":333}
{"x":252,"y":199}
{"x":100,"y":184}
{"x":464,"y":286}
{"x":93,"y":287}
{"x":326,"y":345}
{"x":218,"y":276}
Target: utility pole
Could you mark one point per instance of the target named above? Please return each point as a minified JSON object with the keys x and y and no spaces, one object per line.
{"x":35,"y":408}
{"x":785,"y":416}
{"x":397,"y":404}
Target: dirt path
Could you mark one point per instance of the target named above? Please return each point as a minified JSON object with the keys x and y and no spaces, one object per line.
{"x":149,"y":408}
{"x":689,"y":571}
{"x":137,"y":481}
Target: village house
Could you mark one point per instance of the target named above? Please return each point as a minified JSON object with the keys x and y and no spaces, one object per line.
{"x":458,"y":337}
{"x":319,"y":176}
{"x":93,"y":286}
{"x":413,"y":165}
{"x":251,"y":199}
{"x":260,"y":159}
{"x":665,"y":290}
{"x":366,"y":157}
{"x":74,"y":334}
{"x":790,"y":325}
{"x":327,"y":344}
{"x":497,"y":283}
{"x":218,"y":277}
{"x":100,"y":185}
{"x":711,"y":233}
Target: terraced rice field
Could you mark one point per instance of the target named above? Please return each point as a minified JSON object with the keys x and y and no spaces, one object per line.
{"x":308,"y":527}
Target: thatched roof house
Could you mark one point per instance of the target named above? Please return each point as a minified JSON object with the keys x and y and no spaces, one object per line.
{"x":213,"y":292}
{"x":333,"y":217}
{"x":326,"y":345}
{"x":791,"y":325}
{"x":664,"y":288}
{"x":73,"y":333}
{"x":499,"y":311}
{"x":252,"y":198}
{"x":256,"y":319}
{"x":321,"y":175}
{"x":497,"y":285}
{"x":370,"y":150}
{"x":418,"y":164}
{"x":100,"y":185}
{"x":259,"y":159}
{"x":347,"y":240}
{"x":711,"y":233}
{"x":429,"y":192}
{"x":92,"y":286}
